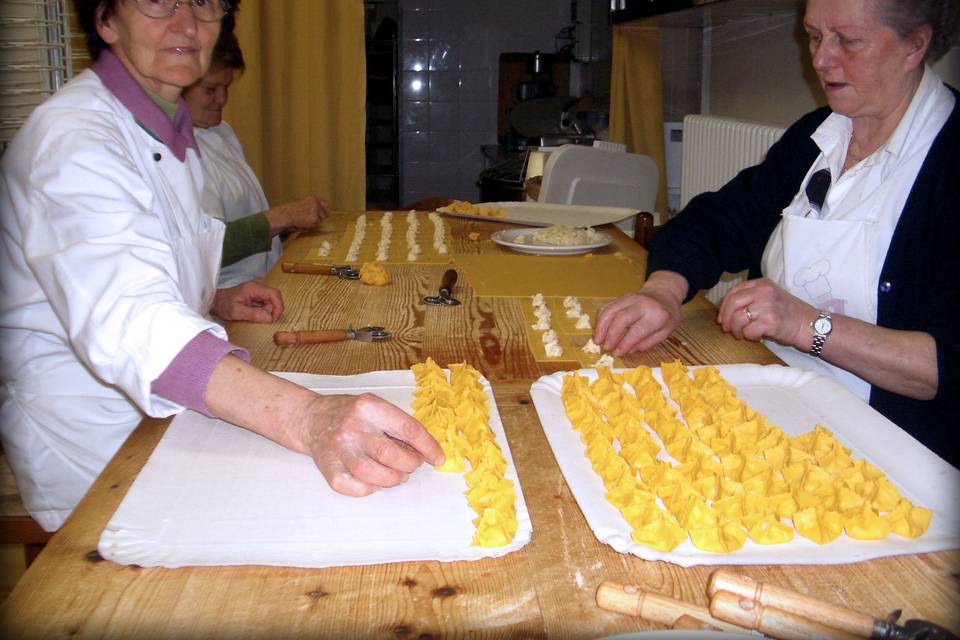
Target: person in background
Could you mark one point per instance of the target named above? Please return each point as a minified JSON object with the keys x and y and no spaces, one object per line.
{"x":231,"y":191}
{"x":109,"y":265}
{"x":848,"y":227}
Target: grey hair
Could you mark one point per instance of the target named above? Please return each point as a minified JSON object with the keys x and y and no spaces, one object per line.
{"x":906,"y":16}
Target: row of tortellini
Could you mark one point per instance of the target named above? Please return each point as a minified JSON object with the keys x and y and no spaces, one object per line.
{"x":457,"y":415}
{"x":730,"y":474}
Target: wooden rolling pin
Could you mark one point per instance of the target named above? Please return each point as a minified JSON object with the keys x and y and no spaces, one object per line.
{"x":770,"y":621}
{"x":654,"y":607}
{"x":859,"y":624}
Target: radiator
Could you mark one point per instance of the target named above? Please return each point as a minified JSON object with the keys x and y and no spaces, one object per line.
{"x":715,"y":149}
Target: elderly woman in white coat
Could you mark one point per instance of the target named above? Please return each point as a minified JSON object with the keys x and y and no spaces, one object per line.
{"x":107,"y":270}
{"x":231,"y":190}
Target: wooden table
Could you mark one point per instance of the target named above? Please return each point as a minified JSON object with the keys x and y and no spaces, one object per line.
{"x":544,"y":590}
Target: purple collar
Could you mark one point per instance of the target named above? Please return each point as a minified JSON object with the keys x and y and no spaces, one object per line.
{"x":177,"y":135}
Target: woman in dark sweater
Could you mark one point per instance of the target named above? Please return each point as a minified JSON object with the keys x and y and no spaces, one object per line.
{"x":848,"y":227}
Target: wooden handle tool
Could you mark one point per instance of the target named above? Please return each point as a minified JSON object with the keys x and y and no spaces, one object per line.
{"x":770,"y":621}
{"x":855,"y":622}
{"x":291,"y":338}
{"x":345,"y":271}
{"x":305,"y":267}
{"x":654,"y":607}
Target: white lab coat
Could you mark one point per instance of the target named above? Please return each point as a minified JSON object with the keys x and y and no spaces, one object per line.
{"x":231,"y":191}
{"x":107,"y":268}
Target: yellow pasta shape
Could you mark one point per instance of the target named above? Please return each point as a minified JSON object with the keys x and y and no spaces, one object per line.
{"x":820,"y":526}
{"x":723,"y":474}
{"x":909,"y":521}
{"x":456,"y":413}
{"x":725,"y":537}
{"x":866,"y":525}
{"x":769,"y":530}
{"x":661,"y":533}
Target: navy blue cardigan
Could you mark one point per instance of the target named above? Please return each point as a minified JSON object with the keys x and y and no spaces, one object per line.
{"x":727,"y":230}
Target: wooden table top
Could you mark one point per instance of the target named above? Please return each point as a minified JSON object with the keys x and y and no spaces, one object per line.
{"x":544,"y":590}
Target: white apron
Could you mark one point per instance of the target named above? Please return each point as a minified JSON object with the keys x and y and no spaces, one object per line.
{"x":231,"y":191}
{"x":147,"y":269}
{"x":828,"y":264}
{"x":835,"y":263}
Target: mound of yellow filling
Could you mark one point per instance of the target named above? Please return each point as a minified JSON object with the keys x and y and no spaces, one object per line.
{"x":374,"y":273}
{"x":723,"y":474}
{"x":456,"y":412}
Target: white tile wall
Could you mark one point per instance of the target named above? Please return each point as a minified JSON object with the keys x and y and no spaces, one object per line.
{"x":450,"y":51}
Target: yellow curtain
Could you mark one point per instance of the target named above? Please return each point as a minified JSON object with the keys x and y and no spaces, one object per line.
{"x":636,"y":96}
{"x":299,"y":109}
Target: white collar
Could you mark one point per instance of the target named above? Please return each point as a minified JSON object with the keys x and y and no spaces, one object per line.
{"x":833,"y":134}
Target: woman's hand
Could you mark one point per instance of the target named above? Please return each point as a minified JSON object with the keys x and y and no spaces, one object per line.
{"x":759,"y":308}
{"x":251,"y":301}
{"x":360,"y":443}
{"x":363,"y":443}
{"x":639,"y":321}
{"x":305,"y":213}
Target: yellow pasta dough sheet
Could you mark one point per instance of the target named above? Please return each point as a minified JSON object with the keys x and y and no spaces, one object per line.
{"x":428,"y":243}
{"x":590,"y":275}
{"x":571,"y":338}
{"x":795,"y":401}
{"x":212,"y":494}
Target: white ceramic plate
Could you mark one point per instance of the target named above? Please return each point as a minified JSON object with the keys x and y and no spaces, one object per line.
{"x":794,"y":400}
{"x":511,"y":238}
{"x":541,"y":214}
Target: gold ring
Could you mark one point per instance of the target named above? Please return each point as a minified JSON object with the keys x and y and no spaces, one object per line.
{"x":746,"y":310}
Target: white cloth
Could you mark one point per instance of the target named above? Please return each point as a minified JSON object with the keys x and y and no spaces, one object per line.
{"x":833,"y":259}
{"x":107,"y":267}
{"x":231,"y":191}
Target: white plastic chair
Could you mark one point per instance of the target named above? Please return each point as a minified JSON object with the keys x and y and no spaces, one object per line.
{"x":575,"y":174}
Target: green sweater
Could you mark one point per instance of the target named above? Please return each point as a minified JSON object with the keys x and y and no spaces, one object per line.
{"x":245,"y":237}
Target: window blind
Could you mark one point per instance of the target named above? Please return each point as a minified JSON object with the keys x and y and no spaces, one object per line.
{"x":39,"y":52}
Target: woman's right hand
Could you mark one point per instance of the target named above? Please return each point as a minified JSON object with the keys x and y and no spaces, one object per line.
{"x":360,"y":443}
{"x":305,"y":213}
{"x":363,"y":443}
{"x":639,"y":321}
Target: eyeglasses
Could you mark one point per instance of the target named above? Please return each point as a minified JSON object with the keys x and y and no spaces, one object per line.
{"x":203,"y":10}
{"x":817,"y":189}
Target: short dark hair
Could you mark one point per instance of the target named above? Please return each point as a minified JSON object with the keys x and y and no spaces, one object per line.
{"x":227,"y":53}
{"x":906,"y":16}
{"x":87,"y":10}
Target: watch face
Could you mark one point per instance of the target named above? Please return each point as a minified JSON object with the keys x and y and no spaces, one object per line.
{"x":822,"y":325}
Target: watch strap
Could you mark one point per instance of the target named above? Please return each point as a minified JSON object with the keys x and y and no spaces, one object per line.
{"x":818,"y":341}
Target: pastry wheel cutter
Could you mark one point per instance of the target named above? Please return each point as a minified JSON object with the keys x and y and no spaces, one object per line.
{"x":365,"y":334}
{"x":305,"y":267}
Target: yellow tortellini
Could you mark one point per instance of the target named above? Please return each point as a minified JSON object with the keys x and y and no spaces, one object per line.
{"x":722,"y":473}
{"x":457,"y":415}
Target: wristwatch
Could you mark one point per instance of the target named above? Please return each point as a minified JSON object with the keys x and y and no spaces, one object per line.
{"x":821,"y":328}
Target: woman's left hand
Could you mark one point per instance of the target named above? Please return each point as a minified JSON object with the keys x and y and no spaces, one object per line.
{"x":251,"y":301}
{"x":759,"y":308}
